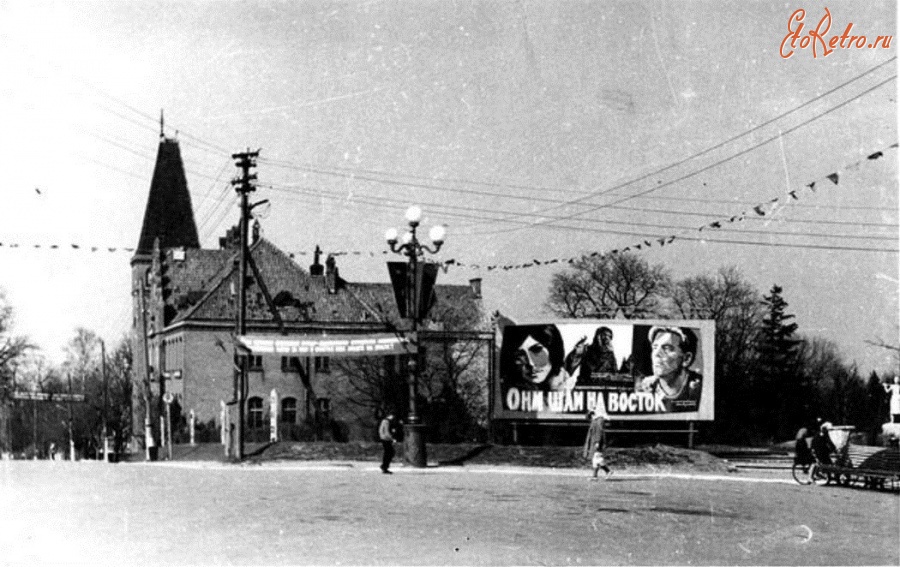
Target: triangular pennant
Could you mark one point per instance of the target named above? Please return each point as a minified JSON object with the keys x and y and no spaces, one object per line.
{"x":834,"y":178}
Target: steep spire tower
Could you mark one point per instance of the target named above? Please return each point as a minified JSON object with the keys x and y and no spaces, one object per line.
{"x":168,"y":223}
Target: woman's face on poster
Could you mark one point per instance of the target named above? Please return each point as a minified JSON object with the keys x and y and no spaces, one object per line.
{"x":533,"y":361}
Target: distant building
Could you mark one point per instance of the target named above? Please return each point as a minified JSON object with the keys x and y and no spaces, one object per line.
{"x":184,"y":323}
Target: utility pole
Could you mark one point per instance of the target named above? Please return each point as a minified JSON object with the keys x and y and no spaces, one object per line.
{"x":103,"y":369}
{"x":148,"y":427}
{"x":71,"y":439}
{"x":244,"y":186}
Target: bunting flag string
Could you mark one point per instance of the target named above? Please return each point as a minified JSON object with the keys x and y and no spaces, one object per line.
{"x":762,"y":209}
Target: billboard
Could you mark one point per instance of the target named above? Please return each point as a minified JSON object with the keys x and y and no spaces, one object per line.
{"x":637,"y":370}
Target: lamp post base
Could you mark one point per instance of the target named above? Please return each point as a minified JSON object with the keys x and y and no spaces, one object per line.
{"x":414,"y":444}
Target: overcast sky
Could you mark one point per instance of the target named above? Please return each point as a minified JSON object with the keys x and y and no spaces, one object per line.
{"x":533,"y":130}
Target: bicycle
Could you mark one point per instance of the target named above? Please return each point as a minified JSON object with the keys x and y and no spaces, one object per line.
{"x":809,"y":473}
{"x":806,"y":472}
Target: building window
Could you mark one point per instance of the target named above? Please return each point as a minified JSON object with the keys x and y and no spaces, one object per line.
{"x":290,"y":364}
{"x":254,"y":413}
{"x":254,"y":361}
{"x":289,"y":410}
{"x":322,"y":365}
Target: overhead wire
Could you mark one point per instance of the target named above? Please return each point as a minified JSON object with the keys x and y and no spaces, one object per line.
{"x":694,"y":173}
{"x":349,"y":173}
{"x":574,"y":216}
{"x":478,"y":214}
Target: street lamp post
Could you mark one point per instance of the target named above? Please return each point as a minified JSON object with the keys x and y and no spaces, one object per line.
{"x":413,"y":294}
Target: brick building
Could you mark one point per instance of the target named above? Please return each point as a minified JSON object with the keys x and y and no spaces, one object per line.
{"x":184,"y":321}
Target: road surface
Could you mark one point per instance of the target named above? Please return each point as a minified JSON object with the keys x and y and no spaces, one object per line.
{"x":95,"y":513}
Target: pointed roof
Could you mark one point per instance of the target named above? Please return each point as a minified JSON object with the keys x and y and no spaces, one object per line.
{"x":169,"y":215}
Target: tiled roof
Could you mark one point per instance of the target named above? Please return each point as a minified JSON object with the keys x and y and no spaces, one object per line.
{"x":169,"y":215}
{"x":199,"y":287}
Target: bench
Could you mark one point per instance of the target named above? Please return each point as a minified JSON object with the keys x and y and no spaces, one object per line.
{"x":873,"y":466}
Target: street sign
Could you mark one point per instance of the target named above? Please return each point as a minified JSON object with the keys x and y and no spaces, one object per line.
{"x":48,"y":396}
{"x":168,"y":397}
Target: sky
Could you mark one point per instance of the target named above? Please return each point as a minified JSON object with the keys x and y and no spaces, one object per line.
{"x":531,"y":130}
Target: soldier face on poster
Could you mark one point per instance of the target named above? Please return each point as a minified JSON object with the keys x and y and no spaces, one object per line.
{"x":636,"y":370}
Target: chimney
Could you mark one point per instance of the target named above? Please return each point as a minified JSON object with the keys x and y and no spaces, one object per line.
{"x":331,"y":274}
{"x":231,"y":240}
{"x":316,"y":269}
{"x":475,"y":285}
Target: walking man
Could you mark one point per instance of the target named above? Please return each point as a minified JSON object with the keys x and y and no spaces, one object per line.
{"x":385,"y":433}
{"x":595,"y":442}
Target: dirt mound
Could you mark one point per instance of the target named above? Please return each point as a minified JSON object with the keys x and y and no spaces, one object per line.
{"x":656,"y":456}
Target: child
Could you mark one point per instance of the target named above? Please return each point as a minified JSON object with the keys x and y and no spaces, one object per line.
{"x":595,"y":441}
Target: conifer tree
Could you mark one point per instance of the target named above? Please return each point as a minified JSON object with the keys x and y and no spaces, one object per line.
{"x":781,"y":398}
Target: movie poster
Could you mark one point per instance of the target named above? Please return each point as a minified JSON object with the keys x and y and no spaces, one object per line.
{"x":638,"y":370}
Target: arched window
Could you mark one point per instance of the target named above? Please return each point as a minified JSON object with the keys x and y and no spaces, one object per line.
{"x":254,"y":413}
{"x":289,"y":410}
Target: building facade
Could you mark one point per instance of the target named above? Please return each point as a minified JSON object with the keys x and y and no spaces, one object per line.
{"x":184,"y":327}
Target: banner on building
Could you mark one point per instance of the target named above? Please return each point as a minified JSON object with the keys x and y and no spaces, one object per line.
{"x":379,"y":344}
{"x":634,"y":370}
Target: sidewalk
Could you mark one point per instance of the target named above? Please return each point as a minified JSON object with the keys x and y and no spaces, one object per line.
{"x":433,"y":468}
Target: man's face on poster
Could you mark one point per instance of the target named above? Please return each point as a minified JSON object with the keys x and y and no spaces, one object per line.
{"x":668,"y":356}
{"x":532,"y":361}
{"x":606,"y":338}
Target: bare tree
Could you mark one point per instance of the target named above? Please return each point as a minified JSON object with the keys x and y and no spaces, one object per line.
{"x":614,"y":285}
{"x":12,"y":349}
{"x":452,"y":385}
{"x":735,"y":305}
{"x":893,"y":348}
